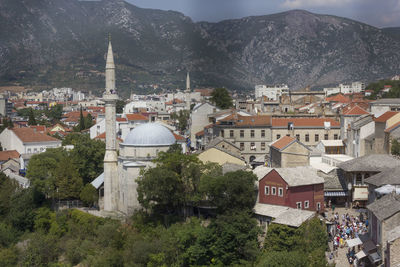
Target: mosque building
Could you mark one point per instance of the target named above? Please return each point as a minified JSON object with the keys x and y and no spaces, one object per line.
{"x":137,"y":151}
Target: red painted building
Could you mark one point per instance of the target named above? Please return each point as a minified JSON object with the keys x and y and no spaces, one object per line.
{"x":298,"y":187}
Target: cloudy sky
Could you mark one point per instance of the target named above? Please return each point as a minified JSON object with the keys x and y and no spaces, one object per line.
{"x":379,"y":13}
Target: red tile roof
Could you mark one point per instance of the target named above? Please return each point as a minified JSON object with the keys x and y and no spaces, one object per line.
{"x":39,"y":128}
{"x":178,"y":137}
{"x":391,"y":128}
{"x":28,"y":135}
{"x":97,"y":109}
{"x":9,"y":154}
{"x":175,"y":101}
{"x":75,"y":114}
{"x":385,"y":116}
{"x":356,"y":110}
{"x":283,"y":142}
{"x":121,"y":119}
{"x":338,"y":98}
{"x":103,"y":137}
{"x":258,"y":120}
{"x":204,"y":92}
{"x":136,"y":117}
{"x":201,"y":133}
{"x":304,"y":122}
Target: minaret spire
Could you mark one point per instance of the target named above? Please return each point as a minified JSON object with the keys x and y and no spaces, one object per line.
{"x":110,"y":69}
{"x":187,"y":82}
{"x":110,"y":97}
{"x":187,"y":91}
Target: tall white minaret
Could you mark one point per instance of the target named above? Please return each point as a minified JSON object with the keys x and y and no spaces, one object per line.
{"x":110,"y":97}
{"x":187,"y":91}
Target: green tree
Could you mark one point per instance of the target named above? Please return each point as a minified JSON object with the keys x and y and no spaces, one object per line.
{"x":31,"y":120}
{"x":221,"y":98}
{"x":88,"y":155}
{"x":89,"y":195}
{"x":309,"y":241}
{"x":232,"y":191}
{"x":22,"y":208}
{"x":229,"y":239}
{"x":68,"y":183}
{"x":283,"y":259}
{"x":88,"y":121}
{"x":161,"y":189}
{"x":10,"y":123}
{"x":55,"y":113}
{"x":395,"y":150}
{"x":9,"y":257}
{"x":173,"y":185}
{"x":42,"y":167}
{"x":120,"y":106}
{"x":7,"y":189}
{"x":182,"y":117}
{"x":81,"y":125}
{"x":42,"y":250}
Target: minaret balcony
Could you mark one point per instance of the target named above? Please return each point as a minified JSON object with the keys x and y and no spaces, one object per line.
{"x":110,"y":97}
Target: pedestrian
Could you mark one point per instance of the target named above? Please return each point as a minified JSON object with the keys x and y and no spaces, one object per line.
{"x":333,"y":208}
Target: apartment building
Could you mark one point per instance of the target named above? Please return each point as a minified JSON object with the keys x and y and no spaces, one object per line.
{"x":251,"y":134}
{"x":309,"y":131}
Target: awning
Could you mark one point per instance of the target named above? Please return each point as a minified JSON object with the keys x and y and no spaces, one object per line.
{"x":335,"y":193}
{"x":369,"y":246}
{"x":360,"y":255}
{"x":375,"y":257}
{"x":354,"y":242}
{"x":360,"y":193}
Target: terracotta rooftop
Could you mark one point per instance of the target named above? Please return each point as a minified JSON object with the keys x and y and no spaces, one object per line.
{"x":304,"y":122}
{"x":259,"y":120}
{"x":9,"y":154}
{"x":283,"y":142}
{"x":39,"y":128}
{"x":75,"y":114}
{"x":201,"y":133}
{"x":393,"y":127}
{"x":103,"y":137}
{"x":121,"y":119}
{"x":178,"y":137}
{"x":175,"y":101}
{"x":385,"y":116}
{"x":97,"y":109}
{"x":204,"y":92}
{"x":356,"y":110}
{"x":136,"y":117}
{"x":28,"y":135}
{"x":338,"y":98}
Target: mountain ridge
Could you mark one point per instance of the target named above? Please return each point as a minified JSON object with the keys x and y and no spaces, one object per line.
{"x":63,"y":43}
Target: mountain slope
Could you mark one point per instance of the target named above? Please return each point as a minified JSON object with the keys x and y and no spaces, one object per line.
{"x":63,"y":43}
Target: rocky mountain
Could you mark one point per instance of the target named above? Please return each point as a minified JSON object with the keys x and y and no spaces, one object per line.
{"x":63,"y":43}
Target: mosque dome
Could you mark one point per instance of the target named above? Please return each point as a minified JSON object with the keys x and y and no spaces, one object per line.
{"x":150,"y":134}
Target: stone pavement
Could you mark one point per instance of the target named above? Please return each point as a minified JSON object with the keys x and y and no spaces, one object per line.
{"x":341,"y":259}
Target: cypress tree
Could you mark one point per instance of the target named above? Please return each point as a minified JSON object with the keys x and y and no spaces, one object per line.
{"x":31,"y":120}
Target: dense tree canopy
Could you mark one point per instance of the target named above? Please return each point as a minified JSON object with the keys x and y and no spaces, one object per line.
{"x":221,"y":98}
{"x":88,"y":155}
{"x":303,"y":246}
{"x":395,"y":150}
{"x":182,"y":117}
{"x":379,"y":85}
{"x":31,"y":119}
{"x":173,"y":184}
{"x":232,"y":191}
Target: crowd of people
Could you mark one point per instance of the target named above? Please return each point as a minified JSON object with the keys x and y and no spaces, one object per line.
{"x":347,"y":227}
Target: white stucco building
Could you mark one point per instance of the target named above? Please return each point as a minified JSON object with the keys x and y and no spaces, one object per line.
{"x":27,"y":140}
{"x":273,"y":92}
